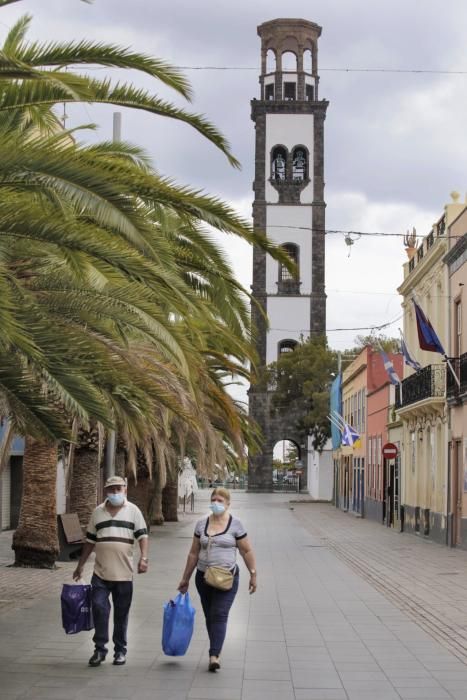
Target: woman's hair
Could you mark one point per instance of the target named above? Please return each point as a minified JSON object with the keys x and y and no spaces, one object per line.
{"x":221,"y":491}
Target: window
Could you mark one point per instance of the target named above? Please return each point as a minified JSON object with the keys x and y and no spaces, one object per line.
{"x":309,"y":92}
{"x":299,"y":164}
{"x":289,"y":61}
{"x":458,"y":328}
{"x":269,"y":92}
{"x":287,"y":346}
{"x":270,"y":61}
{"x":290,"y":90}
{"x":278,"y":163}
{"x":307,"y":61}
{"x":288,"y":283}
{"x":363,"y":411}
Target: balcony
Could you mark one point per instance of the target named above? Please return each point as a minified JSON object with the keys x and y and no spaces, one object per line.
{"x":453,"y":391}
{"x":424,"y":389}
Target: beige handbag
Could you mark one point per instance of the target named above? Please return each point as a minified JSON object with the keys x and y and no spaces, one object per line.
{"x":217,"y":576}
{"x":220,"y":578}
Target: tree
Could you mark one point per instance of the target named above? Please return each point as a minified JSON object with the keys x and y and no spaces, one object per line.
{"x":378,"y":342}
{"x":300,"y":382}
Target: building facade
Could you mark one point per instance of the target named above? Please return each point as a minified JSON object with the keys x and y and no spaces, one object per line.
{"x":456,"y":261}
{"x":421,"y":400}
{"x":289,"y":206}
{"x":382,"y":488}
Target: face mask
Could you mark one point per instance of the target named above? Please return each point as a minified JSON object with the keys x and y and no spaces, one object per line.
{"x":116,"y":499}
{"x":217,"y":508}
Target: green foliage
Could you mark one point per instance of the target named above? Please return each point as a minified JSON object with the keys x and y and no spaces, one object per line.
{"x":117,"y":305}
{"x":300,"y":381}
{"x":378,"y":342}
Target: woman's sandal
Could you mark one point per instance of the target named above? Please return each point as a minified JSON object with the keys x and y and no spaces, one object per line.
{"x":214,"y":666}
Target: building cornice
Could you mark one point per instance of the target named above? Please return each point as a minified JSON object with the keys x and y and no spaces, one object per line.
{"x":421,"y":270}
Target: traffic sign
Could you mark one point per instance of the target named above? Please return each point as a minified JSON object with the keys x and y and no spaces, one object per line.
{"x":389,"y":450}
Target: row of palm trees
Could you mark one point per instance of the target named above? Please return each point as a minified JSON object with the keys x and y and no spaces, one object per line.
{"x":118,"y":309}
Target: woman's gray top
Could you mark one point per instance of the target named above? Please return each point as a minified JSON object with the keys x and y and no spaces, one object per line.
{"x":223,"y":547}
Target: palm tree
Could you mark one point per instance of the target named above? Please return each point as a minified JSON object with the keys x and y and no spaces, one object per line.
{"x":98,"y":283}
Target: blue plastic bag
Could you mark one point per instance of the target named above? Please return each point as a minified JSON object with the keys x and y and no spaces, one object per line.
{"x":76,"y":608}
{"x":177,"y":630}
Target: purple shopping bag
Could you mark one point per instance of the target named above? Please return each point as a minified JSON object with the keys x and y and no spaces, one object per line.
{"x":76,"y":608}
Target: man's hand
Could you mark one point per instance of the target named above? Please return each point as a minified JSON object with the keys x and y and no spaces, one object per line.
{"x":183,"y":586}
{"x":143,"y":565}
{"x":78,"y":572}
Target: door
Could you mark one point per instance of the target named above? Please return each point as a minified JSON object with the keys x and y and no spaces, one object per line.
{"x":456,"y":493}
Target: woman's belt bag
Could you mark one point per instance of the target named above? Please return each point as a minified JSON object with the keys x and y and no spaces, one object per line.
{"x":218,"y":577}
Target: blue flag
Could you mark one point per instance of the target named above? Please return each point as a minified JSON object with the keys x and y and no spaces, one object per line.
{"x":427,"y":337}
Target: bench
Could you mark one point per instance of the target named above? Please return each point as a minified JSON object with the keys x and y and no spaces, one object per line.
{"x":70,"y":536}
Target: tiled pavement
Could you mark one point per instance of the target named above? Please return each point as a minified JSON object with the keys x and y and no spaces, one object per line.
{"x":335,"y":618}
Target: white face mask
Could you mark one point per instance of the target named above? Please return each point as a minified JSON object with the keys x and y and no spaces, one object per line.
{"x":217,"y":508}
{"x":116,"y":499}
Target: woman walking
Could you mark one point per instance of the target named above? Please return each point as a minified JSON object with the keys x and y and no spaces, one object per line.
{"x":216,"y":540}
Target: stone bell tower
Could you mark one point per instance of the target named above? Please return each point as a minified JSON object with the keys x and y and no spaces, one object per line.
{"x":289,"y":206}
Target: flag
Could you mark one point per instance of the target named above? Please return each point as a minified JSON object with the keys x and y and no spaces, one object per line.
{"x":350,"y":437}
{"x":389,"y":367}
{"x":407,"y":357}
{"x":427,"y":337}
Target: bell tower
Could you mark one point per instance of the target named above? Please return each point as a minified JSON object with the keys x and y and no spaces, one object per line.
{"x":289,"y":206}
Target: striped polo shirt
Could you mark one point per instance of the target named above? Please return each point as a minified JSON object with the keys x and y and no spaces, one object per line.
{"x":114,"y":537}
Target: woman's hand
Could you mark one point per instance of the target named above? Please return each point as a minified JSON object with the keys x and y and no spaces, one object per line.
{"x":183,"y":585}
{"x":252,"y":587}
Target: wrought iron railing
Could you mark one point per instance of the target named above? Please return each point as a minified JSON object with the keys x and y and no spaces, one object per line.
{"x":429,"y":382}
{"x":459,"y":366}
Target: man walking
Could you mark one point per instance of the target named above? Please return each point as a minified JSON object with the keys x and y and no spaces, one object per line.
{"x":112,"y":531}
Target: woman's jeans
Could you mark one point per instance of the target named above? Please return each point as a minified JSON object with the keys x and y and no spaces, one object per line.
{"x":216,"y":606}
{"x":122,"y":592}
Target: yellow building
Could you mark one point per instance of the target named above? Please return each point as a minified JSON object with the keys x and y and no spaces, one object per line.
{"x":421,"y":400}
{"x":456,"y":262}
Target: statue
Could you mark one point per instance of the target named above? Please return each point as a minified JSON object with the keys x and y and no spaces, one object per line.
{"x":410,"y":242}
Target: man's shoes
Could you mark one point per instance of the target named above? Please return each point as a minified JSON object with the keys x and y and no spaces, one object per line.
{"x":97,"y":658}
{"x":119,"y":659}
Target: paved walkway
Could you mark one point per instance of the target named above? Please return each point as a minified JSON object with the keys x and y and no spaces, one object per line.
{"x":346,"y":610}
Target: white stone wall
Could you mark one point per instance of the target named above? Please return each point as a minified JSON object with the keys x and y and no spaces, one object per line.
{"x":320,"y":472}
{"x":298,"y":221}
{"x":288,"y":319}
{"x":288,"y":130}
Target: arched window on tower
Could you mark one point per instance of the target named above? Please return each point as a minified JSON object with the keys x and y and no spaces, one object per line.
{"x":278,"y":163}
{"x":299,"y":164}
{"x":286,"y":346}
{"x":307,"y":61}
{"x":270,"y":61}
{"x":289,"y":62}
{"x":288,"y":283}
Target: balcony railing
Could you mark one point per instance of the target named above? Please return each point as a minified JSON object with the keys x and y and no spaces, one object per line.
{"x":428,"y":383}
{"x":459,"y":366}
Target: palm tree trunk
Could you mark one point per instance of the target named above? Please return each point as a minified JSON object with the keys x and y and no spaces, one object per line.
{"x":35,"y":541}
{"x":140,"y":489}
{"x":170,"y":497}
{"x":83,"y":492}
{"x":157,"y":516}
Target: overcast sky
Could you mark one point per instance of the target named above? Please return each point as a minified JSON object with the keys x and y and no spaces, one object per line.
{"x":395,"y":143}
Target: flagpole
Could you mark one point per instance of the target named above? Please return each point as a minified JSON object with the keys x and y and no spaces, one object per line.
{"x":452,"y":371}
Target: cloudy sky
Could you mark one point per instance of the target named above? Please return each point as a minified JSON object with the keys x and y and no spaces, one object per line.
{"x":395,"y":141}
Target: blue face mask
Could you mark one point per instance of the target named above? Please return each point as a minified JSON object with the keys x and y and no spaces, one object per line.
{"x":217,"y":508}
{"x":116,"y":499}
